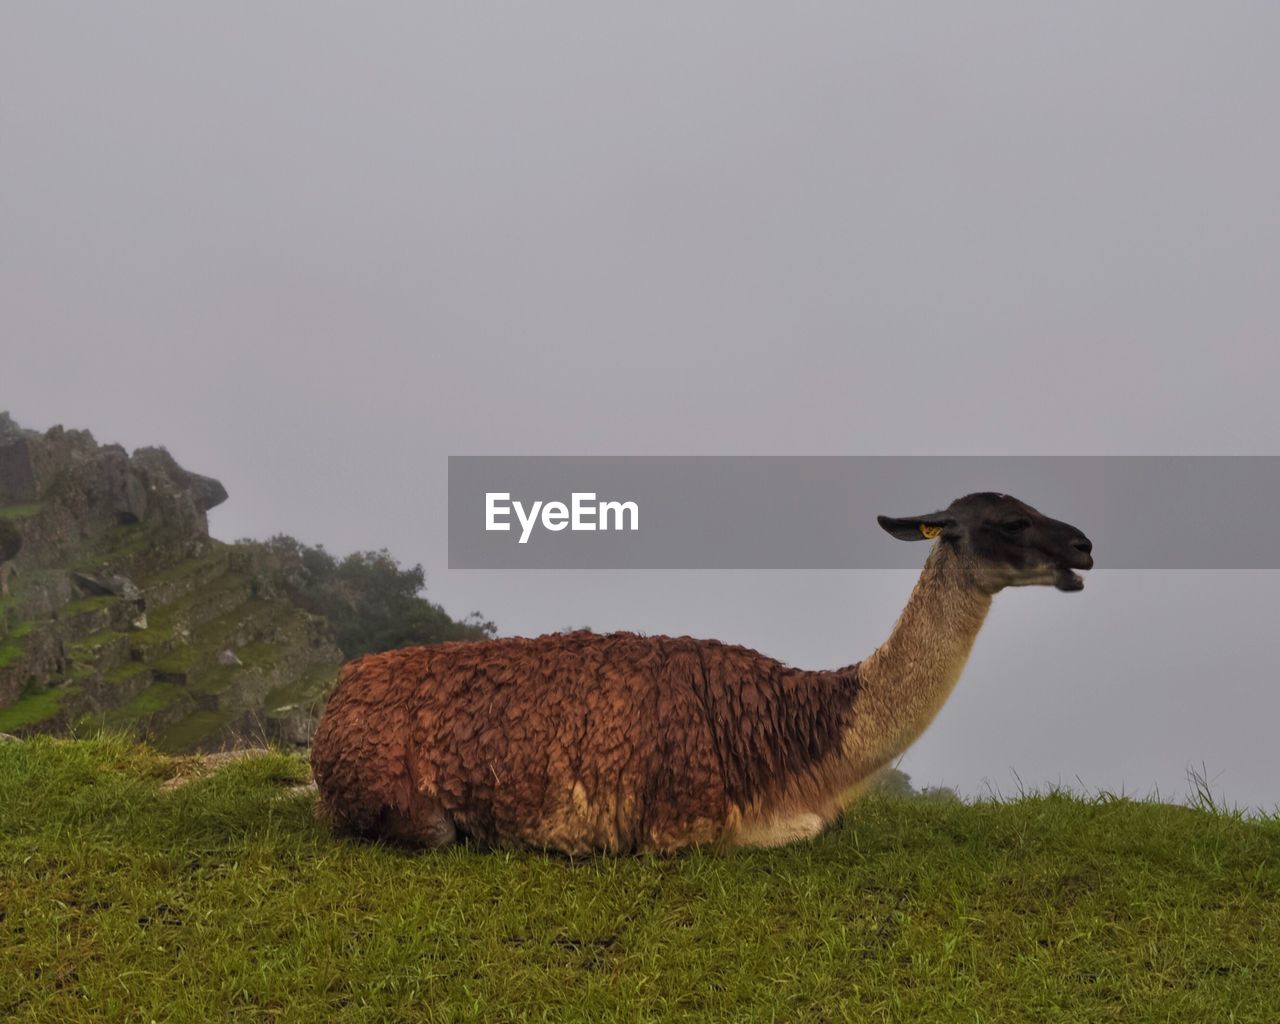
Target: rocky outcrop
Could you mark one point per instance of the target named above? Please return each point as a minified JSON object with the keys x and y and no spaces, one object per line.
{"x":76,"y":493}
{"x":123,"y":612}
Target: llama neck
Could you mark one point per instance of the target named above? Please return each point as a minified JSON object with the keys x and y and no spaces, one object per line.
{"x":906,"y":680}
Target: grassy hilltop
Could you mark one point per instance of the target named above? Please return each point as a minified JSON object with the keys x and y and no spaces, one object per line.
{"x":122,"y":613}
{"x":123,"y":898}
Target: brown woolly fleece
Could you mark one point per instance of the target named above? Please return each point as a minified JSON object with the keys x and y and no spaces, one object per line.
{"x":578,"y":742}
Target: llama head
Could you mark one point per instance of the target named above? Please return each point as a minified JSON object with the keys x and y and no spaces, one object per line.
{"x":1003,"y":542}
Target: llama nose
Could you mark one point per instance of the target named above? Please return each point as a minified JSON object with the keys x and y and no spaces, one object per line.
{"x":1083,"y":548}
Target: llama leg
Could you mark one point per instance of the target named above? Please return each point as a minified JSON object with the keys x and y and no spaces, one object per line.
{"x":781,"y":829}
{"x":422,"y":824}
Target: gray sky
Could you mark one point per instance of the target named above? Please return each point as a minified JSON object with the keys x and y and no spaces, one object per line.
{"x":316,"y":248}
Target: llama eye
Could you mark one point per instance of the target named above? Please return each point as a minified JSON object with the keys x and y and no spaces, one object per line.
{"x":1015,"y":526}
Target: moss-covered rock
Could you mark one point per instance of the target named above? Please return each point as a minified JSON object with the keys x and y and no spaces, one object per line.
{"x":150,"y":655}
{"x":124,"y":612}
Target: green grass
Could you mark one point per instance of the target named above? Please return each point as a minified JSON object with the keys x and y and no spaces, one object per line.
{"x":217,"y":554}
{"x":119,"y":544}
{"x":91,"y":643}
{"x":126,"y":672}
{"x":91,"y":648}
{"x":15,"y":512}
{"x":312,"y":686}
{"x":11,"y":646}
{"x":225,"y":901}
{"x":180,"y":661}
{"x":162,"y":621}
{"x":187,"y":733}
{"x":197,"y":658}
{"x":24,"y":584}
{"x":32,"y":708}
{"x":9,"y":651}
{"x":154,"y":698}
{"x":261,"y":654}
{"x":87,"y":604}
{"x":151,"y":700}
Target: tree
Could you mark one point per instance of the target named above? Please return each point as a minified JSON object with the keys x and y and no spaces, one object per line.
{"x":893,"y":782}
{"x":372,"y":603}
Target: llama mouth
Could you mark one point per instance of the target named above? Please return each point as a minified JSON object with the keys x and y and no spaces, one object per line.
{"x":1068,"y":581}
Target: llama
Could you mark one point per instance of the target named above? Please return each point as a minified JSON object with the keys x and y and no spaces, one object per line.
{"x":620,"y":743}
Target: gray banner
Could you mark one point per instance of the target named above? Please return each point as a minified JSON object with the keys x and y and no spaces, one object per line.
{"x":819,"y":512}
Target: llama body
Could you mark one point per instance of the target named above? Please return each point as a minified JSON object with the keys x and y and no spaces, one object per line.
{"x":617,"y":742}
{"x":575,"y":742}
{"x":621,"y":742}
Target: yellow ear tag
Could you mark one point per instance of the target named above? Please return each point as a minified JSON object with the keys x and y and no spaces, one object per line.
{"x":930,"y":532}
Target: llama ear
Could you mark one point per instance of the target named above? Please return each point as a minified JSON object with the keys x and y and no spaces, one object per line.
{"x":917,"y":527}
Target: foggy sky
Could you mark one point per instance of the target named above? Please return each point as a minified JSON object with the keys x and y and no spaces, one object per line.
{"x":316,"y":248}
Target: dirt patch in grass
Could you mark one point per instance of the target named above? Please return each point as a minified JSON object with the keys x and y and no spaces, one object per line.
{"x":190,"y":768}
